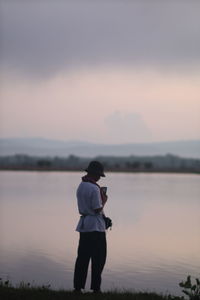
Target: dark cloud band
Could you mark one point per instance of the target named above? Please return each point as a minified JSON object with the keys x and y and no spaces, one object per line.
{"x":44,"y":37}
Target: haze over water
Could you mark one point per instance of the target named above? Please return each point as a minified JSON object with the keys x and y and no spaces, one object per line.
{"x":154,"y":243}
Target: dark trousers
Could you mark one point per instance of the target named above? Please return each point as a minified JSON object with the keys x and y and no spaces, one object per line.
{"x":92,"y":245}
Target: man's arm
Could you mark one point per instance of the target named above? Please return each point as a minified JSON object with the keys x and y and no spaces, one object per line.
{"x":104,"y":200}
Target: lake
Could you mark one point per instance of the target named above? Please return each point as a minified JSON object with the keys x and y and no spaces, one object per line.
{"x":153,"y":245}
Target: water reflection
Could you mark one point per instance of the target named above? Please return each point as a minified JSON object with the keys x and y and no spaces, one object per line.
{"x":37,"y":268}
{"x":153,"y":245}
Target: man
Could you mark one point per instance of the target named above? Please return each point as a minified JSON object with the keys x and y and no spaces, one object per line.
{"x":92,"y":243}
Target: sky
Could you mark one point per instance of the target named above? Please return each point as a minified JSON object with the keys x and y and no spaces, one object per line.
{"x":100,"y":71}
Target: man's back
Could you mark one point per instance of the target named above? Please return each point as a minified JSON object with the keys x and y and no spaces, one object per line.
{"x":89,"y":199}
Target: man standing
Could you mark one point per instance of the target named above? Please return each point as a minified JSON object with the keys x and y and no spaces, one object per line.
{"x":92,"y":243}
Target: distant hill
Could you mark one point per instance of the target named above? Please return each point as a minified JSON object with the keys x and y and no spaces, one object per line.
{"x":47,"y":147}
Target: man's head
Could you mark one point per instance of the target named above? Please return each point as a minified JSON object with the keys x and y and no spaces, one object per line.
{"x":95,"y":170}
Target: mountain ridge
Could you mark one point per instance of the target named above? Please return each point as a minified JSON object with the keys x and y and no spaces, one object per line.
{"x":50,"y":147}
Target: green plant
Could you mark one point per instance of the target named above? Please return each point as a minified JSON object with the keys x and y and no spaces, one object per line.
{"x":4,"y":283}
{"x":190,"y":289}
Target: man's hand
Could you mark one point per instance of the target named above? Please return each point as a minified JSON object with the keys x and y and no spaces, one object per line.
{"x":104,"y":199}
{"x":104,"y":195}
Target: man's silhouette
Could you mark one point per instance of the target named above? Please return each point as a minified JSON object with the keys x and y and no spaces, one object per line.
{"x":92,"y":243}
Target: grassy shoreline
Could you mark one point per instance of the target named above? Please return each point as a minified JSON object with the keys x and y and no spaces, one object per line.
{"x":11,"y":293}
{"x":24,"y":291}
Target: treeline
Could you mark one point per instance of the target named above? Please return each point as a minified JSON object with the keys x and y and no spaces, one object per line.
{"x":167,"y":163}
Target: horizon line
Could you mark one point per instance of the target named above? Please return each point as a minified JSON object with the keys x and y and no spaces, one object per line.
{"x":97,"y":143}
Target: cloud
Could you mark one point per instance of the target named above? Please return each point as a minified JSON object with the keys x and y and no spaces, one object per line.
{"x":91,"y":105}
{"x":126,"y":127}
{"x":45,"y":37}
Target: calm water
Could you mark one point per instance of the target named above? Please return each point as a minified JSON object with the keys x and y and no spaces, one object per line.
{"x":154,"y":243}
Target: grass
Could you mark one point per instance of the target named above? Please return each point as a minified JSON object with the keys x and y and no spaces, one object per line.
{"x":27,"y":292}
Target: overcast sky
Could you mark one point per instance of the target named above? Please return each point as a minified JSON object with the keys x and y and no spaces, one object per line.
{"x":100,"y":71}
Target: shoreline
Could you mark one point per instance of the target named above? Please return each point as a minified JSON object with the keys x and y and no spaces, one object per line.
{"x":163,"y":171}
{"x":24,"y":291}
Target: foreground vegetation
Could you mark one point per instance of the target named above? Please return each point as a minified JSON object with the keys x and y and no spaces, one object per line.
{"x":31,"y":293}
{"x":25,"y":291}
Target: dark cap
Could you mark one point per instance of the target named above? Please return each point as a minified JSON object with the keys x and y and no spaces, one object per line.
{"x":95,"y":168}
